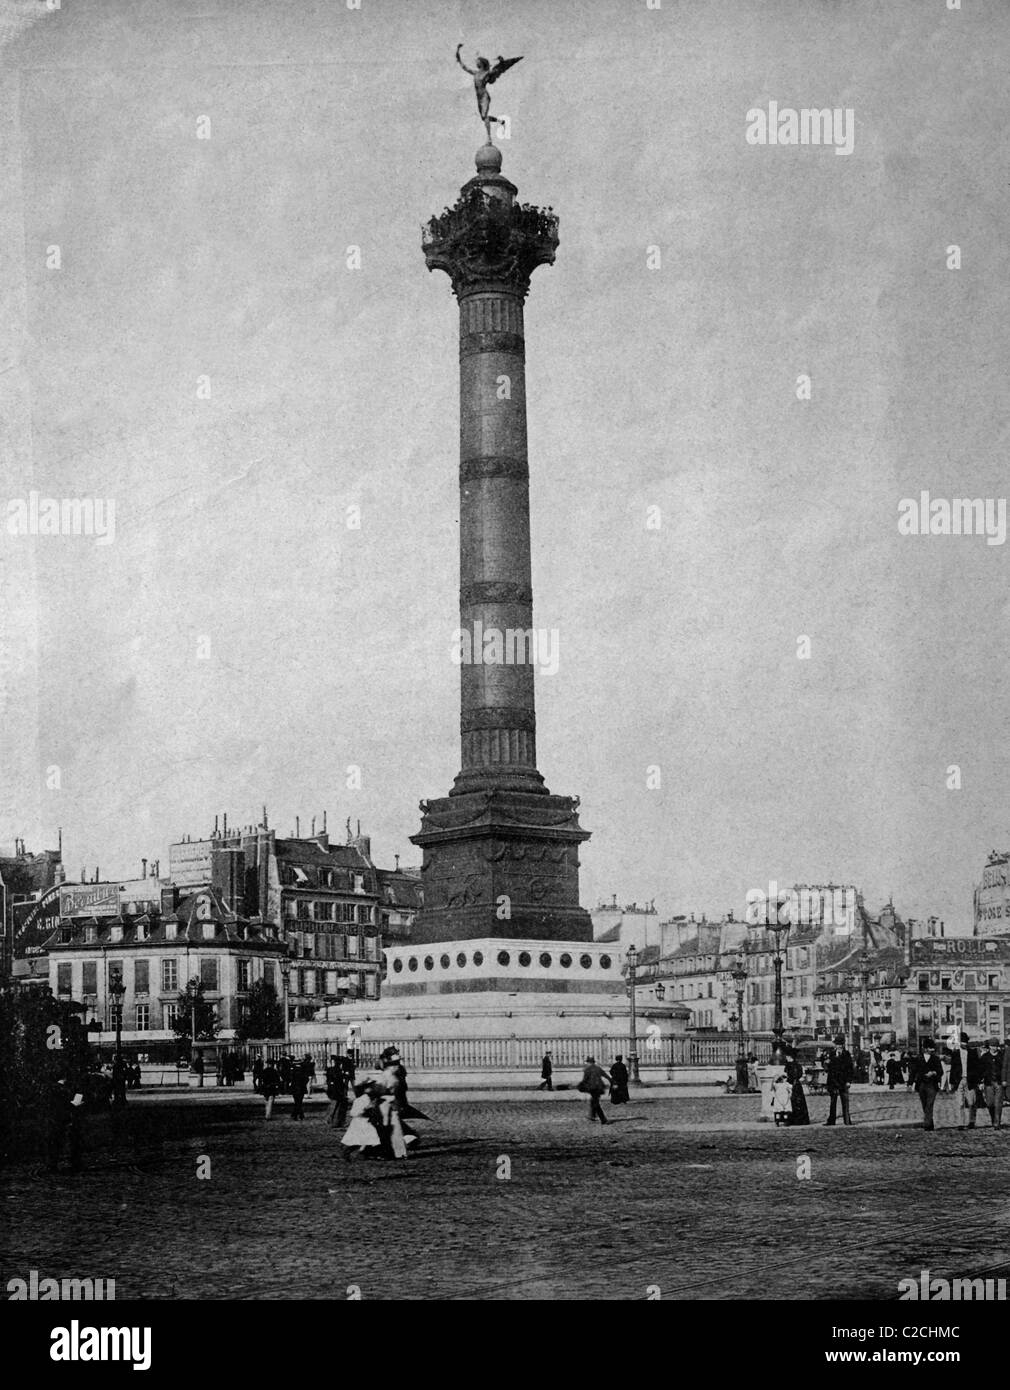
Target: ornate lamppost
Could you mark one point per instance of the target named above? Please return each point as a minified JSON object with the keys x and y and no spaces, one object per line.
{"x":739,"y":977}
{"x":864,"y":975}
{"x":632,"y":959}
{"x":117,"y":989}
{"x":285,"y":978}
{"x":780,"y":930}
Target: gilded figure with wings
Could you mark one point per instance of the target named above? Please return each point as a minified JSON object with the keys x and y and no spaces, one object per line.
{"x":483,"y":75}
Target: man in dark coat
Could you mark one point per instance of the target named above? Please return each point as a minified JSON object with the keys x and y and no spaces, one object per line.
{"x":965,"y":1079}
{"x":992,"y":1062}
{"x":336,"y":1091}
{"x":928,"y":1080}
{"x":840,"y":1071}
{"x":299,"y":1085}
{"x":118,"y":1082}
{"x":594,"y":1082}
{"x":270,"y":1083}
{"x":619,"y":1082}
{"x":546,"y":1073}
{"x":63,"y":1121}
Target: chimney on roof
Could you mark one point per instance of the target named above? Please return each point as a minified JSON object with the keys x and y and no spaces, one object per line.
{"x":298,"y":827}
{"x":613,"y":902}
{"x":265,"y":826}
{"x":59,"y":840}
{"x":313,"y":826}
{"x":396,"y":857}
{"x":144,"y":868}
{"x":215,"y":827}
{"x":225,"y":823}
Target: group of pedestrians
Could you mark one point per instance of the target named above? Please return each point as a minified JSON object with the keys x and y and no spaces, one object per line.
{"x":284,"y":1077}
{"x":380,"y":1112}
{"x":978,"y":1074}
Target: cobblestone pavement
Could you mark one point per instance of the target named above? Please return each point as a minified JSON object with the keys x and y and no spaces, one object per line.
{"x":690,"y":1194}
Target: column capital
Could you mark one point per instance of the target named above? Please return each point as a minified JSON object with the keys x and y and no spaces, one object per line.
{"x":488,"y":241}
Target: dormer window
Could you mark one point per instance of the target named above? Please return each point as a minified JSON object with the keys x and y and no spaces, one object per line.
{"x":171,"y":930}
{"x":209,"y":929}
{"x":116,"y":932}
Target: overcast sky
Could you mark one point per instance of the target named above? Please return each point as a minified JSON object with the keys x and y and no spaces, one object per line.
{"x":676,"y":387}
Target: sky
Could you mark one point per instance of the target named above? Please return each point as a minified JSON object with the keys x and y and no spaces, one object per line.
{"x":203,"y":355}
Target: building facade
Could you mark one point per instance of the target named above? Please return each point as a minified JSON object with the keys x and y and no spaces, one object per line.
{"x":154,"y":951}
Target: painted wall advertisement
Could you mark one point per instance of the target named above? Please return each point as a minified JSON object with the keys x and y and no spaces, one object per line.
{"x":89,"y":900}
{"x":992,"y":899}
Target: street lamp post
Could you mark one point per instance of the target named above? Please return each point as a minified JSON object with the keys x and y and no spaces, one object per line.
{"x":779,"y":930}
{"x":739,"y":977}
{"x":285,"y":979}
{"x":864,"y":974}
{"x":632,"y":959}
{"x":117,"y":989}
{"x":194,"y":1055}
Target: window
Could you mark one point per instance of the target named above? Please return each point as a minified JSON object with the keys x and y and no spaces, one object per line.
{"x":359,"y":883}
{"x":308,"y":982}
{"x":270,"y":973}
{"x":345,"y":912}
{"x":397,"y":965}
{"x":330,"y":982}
{"x":208,"y":972}
{"x":290,"y":907}
{"x":64,"y":974}
{"x":565,"y":959}
{"x":90,"y":935}
{"x":710,"y":994}
{"x":371,"y":987}
{"x":412,"y":963}
{"x":169,"y":976}
{"x":244,"y":974}
{"x":143,"y":1018}
{"x":324,"y":912}
{"x":353,"y":946}
{"x":994,"y":981}
{"x":525,"y":958}
{"x":90,"y":972}
{"x":371,"y":948}
{"x":303,"y":910}
{"x":429,"y":963}
{"x":364,"y":914}
{"x":478,"y":957}
{"x":444,"y":962}
{"x":585,"y":961}
{"x":141,"y":976}
{"x":605,"y":962}
{"x":171,"y":1015}
{"x":545,"y":959}
{"x":461,"y":960}
{"x":945,"y":982}
{"x":115,"y":973}
{"x":504,"y":958}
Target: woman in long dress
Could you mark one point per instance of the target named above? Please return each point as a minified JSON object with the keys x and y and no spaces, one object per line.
{"x":794,"y":1075}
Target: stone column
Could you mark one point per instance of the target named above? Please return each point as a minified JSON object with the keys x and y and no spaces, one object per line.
{"x":490,"y":246}
{"x":500,"y":853}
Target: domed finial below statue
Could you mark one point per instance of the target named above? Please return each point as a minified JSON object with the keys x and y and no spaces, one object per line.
{"x":488,"y":159}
